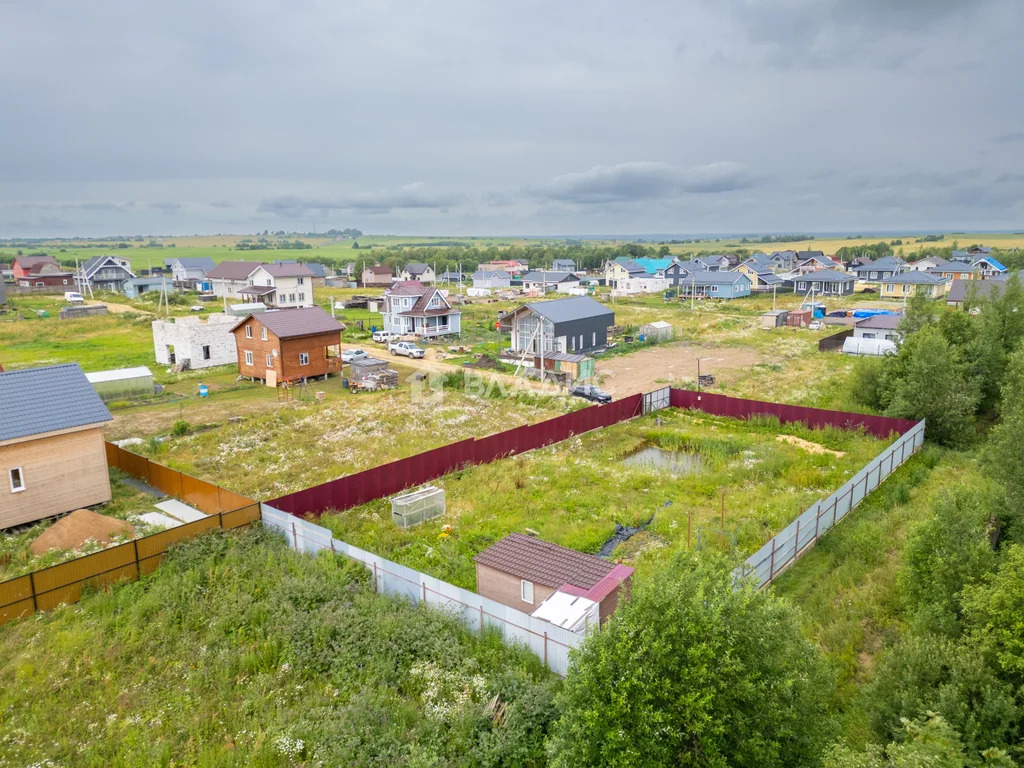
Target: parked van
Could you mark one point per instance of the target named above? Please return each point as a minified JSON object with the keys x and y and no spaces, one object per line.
{"x":74,"y":297}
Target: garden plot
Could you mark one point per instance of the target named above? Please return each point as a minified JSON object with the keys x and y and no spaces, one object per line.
{"x":716,"y":482}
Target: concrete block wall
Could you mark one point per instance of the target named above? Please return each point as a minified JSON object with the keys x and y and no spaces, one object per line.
{"x":188,"y":336}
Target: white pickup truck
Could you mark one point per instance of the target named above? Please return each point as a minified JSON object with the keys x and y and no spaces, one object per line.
{"x":406,"y":348}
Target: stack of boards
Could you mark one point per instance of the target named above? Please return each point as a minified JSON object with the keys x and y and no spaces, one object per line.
{"x":172,"y":514}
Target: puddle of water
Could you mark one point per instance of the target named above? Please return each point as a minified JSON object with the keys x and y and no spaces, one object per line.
{"x":673,"y":462}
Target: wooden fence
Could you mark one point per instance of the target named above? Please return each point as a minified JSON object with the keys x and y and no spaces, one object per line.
{"x":45,"y":589}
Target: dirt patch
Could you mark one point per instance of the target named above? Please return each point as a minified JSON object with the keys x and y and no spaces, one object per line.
{"x":77,"y":528}
{"x":807,"y":445}
{"x":117,"y":309}
{"x":668,"y":364}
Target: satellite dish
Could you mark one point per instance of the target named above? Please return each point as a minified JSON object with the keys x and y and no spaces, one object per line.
{"x":274,"y":353}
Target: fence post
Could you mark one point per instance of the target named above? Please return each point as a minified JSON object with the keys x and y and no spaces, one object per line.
{"x":481,"y":618}
{"x":32,"y":586}
{"x":817,"y":519}
{"x":903,"y":450}
{"x":424,"y":585}
{"x":796,"y":547}
{"x":771,"y":563}
{"x":545,"y":648}
{"x":220,"y":504}
{"x":295,"y":537}
{"x":374,"y":576}
{"x":138,"y":567}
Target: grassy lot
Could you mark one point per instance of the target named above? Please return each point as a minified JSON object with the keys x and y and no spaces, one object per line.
{"x":283,"y":447}
{"x":848,"y":585}
{"x":126,"y":503}
{"x":575,"y":492}
{"x":239,"y":652}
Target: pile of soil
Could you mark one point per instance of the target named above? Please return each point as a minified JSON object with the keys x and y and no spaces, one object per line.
{"x":486,"y":362}
{"x":73,"y":531}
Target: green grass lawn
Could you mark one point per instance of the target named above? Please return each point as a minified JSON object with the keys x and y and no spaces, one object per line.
{"x":573,"y":493}
{"x":240,"y":652}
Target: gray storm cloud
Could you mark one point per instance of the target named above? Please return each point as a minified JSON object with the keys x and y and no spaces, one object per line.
{"x":532,"y":117}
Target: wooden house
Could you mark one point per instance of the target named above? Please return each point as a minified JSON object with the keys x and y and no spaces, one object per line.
{"x":288,"y":345}
{"x":377,"y":275}
{"x":52,"y":456}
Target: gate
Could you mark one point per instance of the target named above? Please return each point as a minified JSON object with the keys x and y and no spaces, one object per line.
{"x":656,"y":400}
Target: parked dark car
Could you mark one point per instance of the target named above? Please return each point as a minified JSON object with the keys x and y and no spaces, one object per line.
{"x":590,"y":392}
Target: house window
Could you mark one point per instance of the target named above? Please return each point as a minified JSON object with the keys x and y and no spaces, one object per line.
{"x":300,"y":281}
{"x":291,"y":297}
{"x":248,"y":357}
{"x":17,"y":480}
{"x":303,"y":358}
{"x":248,"y":331}
{"x":263,"y":333}
{"x":206,"y":353}
{"x":714,"y":289}
{"x":302,"y":297}
{"x":270,"y":283}
{"x":270,"y":361}
{"x":526,"y":591}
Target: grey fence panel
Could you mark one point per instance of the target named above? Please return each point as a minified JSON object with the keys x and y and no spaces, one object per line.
{"x":789,"y":543}
{"x":550,"y":643}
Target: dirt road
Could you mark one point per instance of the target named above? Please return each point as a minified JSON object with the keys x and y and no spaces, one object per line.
{"x":655,"y":367}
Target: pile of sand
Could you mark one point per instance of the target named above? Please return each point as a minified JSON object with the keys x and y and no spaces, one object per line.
{"x":807,"y":445}
{"x":73,"y":531}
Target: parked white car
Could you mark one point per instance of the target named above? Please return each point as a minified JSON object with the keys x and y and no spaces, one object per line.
{"x":353,"y":354}
{"x":74,"y":297}
{"x":381,"y":337}
{"x":406,"y":348}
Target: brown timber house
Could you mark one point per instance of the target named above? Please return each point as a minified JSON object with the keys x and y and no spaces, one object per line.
{"x":288,"y":345}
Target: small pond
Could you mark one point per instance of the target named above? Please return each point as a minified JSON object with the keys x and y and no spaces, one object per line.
{"x":673,"y":462}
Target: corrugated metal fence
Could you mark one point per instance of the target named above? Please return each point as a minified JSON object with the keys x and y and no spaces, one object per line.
{"x":388,"y":479}
{"x":551,"y":644}
{"x":45,"y":589}
{"x":797,"y":537}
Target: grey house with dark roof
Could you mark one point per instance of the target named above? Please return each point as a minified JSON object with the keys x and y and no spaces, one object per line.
{"x":576,"y":324}
{"x":52,"y":455}
{"x":828,"y":282}
{"x":715,"y":285}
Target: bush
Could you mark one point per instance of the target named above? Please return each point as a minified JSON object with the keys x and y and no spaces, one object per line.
{"x":180,"y":428}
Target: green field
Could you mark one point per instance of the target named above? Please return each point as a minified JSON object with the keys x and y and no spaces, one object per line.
{"x":573,"y":493}
{"x":240,"y":652}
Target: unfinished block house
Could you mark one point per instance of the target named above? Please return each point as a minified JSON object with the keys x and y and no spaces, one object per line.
{"x":194,"y":342}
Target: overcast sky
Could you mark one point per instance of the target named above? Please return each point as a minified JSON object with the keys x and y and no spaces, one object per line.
{"x":449,"y":117}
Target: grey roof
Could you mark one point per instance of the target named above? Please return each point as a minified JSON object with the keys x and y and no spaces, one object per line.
{"x":234,"y":270}
{"x":563,"y":265}
{"x":881,"y":322}
{"x":190,"y":262}
{"x":882,"y":264}
{"x":915,"y":278}
{"x":953,"y":267}
{"x":287,"y":270}
{"x":488,"y":274}
{"x":318,"y":270}
{"x":714,"y":278}
{"x":292,"y":323}
{"x":629,"y":265}
{"x":573,"y":308}
{"x":770,"y":278}
{"x":93,"y":265}
{"x":542,"y":276}
{"x":982,"y":289}
{"x":416,"y":267}
{"x":825,"y":276}
{"x":38,"y":400}
{"x":759,"y":259}
{"x":939,"y":261}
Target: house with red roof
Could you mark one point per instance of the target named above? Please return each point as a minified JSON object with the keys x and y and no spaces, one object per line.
{"x":548,"y":581}
{"x":411,"y":308}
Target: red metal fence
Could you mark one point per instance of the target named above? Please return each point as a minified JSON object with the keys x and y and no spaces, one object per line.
{"x":388,"y":479}
{"x":816,"y":418}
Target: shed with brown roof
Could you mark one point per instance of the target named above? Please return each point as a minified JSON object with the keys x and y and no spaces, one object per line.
{"x":288,"y":345}
{"x":522,"y":571}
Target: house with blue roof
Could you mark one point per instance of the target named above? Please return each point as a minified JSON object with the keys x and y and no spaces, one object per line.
{"x":654,"y":266}
{"x":989,"y":267}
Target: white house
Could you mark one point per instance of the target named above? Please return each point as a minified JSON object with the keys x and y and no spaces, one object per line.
{"x":419,"y":310}
{"x":190,"y":269}
{"x":879,"y":327}
{"x":203,"y":342}
{"x":488,"y":278}
{"x":280,"y":286}
{"x":418,"y":271}
{"x":562,"y":282}
{"x":230,"y":277}
{"x":635,"y":284}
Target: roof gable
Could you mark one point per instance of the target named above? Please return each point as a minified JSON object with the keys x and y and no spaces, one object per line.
{"x":234,"y":270}
{"x":292,"y":323}
{"x":573,"y":308}
{"x":544,"y":563}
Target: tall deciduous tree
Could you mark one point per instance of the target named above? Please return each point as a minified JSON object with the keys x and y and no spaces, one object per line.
{"x":1005,"y":455}
{"x":692,"y":672}
{"x":928,"y":379}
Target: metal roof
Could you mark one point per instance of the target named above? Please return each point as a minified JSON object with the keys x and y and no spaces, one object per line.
{"x":542,"y":276}
{"x":287,"y":270}
{"x":234,"y":270}
{"x":982,"y":289}
{"x":38,"y":400}
{"x":542,"y":562}
{"x":714,"y":278}
{"x":204,"y":262}
{"x":881,"y":322}
{"x":573,"y":308}
{"x":118,"y":374}
{"x":886,"y":262}
{"x":825,"y":276}
{"x":292,"y":323}
{"x":917,"y":278}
